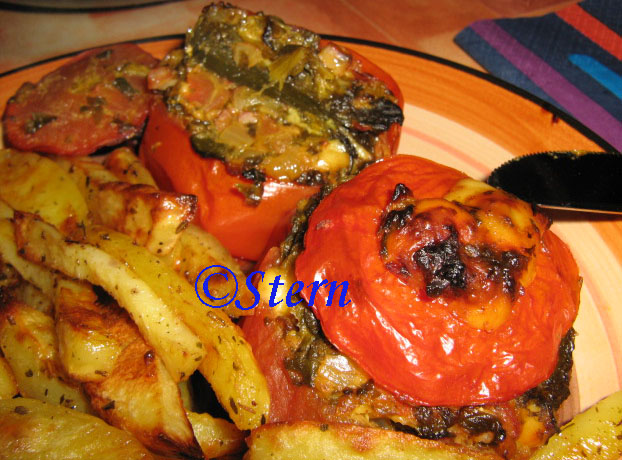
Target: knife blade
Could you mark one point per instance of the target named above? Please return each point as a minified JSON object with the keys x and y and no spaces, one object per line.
{"x":582,"y":181}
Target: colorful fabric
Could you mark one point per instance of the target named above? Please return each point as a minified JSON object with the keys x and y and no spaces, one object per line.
{"x":571,"y":59}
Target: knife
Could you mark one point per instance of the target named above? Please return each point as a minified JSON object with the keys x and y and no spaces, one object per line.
{"x":581,"y":181}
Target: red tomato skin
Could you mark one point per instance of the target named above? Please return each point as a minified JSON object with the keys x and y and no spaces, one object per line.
{"x":244,"y":229}
{"x":74,"y":130}
{"x":409,"y":344}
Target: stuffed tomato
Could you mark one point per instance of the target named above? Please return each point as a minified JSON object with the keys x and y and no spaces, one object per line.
{"x":256,"y":115}
{"x":432,"y":304}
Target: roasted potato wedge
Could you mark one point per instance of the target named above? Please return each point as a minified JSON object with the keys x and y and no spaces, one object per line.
{"x":194,"y":251}
{"x":6,"y":211}
{"x":160,"y":323}
{"x":9,"y":280}
{"x":31,"y":295}
{"x":185,"y":390}
{"x":85,"y":173}
{"x":233,"y":373}
{"x":8,"y":384}
{"x":127,"y":167}
{"x":28,"y":342}
{"x":131,"y":388}
{"x":230,"y":366}
{"x":152,"y":217}
{"x":315,"y":441}
{"x":39,"y":276}
{"x":216,"y":436}
{"x":88,"y":341}
{"x":35,"y":430}
{"x":595,"y":434}
{"x":33,"y":183}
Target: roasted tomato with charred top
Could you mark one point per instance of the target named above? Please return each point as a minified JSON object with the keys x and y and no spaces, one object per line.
{"x":456,"y":320}
{"x":460,"y":294}
{"x":257,"y":114}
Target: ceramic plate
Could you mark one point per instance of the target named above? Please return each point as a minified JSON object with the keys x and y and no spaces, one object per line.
{"x":473,"y":122}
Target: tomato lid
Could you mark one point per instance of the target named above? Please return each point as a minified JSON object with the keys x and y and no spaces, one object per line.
{"x":459,"y":294}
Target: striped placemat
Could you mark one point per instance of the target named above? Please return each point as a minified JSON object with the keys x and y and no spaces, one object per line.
{"x":571,"y":58}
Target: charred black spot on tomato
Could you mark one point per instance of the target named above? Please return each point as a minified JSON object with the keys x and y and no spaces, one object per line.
{"x":438,"y":422}
{"x":277,"y":35}
{"x":268,"y":36}
{"x":423,"y":236}
{"x":553,"y":391}
{"x":394,"y":220}
{"x":477,"y":421}
{"x":442,"y":265}
{"x":503,"y":268}
{"x":401,"y":191}
{"x":253,"y":192}
{"x":254,"y":174}
{"x":341,"y":105}
{"x":380,"y":116}
{"x":397,"y":214}
{"x":311,"y":177}
{"x":430,"y":422}
{"x":397,"y":218}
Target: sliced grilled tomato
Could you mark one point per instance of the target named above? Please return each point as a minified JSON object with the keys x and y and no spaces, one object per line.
{"x":460,"y":294}
{"x":98,"y":99}
{"x":272,"y":113}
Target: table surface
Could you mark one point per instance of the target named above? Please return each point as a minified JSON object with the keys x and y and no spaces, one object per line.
{"x":29,"y":34}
